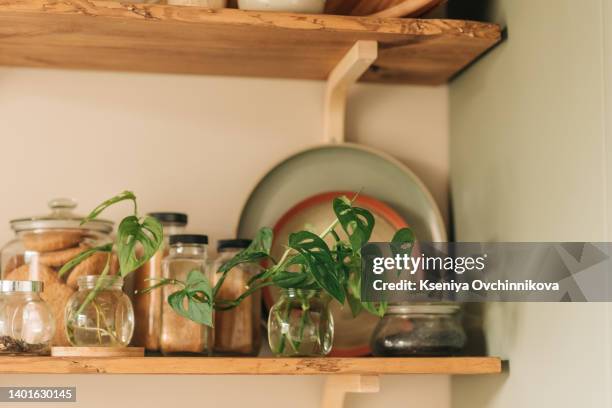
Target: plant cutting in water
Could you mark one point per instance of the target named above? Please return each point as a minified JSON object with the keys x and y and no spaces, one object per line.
{"x":137,"y":241}
{"x":308,"y":265}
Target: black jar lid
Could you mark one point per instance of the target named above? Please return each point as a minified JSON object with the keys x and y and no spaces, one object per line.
{"x":237,"y":243}
{"x":187,"y":239}
{"x":170,"y":217}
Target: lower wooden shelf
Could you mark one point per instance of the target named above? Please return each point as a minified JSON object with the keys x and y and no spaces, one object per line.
{"x":250,"y":366}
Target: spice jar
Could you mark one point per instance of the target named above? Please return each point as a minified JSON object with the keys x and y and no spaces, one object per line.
{"x":301,"y":324}
{"x":27,"y":325}
{"x":43,"y":244}
{"x":148,"y":306}
{"x":179,"y":335}
{"x":238,"y":330}
{"x":419,"y":330}
{"x":106,"y":320}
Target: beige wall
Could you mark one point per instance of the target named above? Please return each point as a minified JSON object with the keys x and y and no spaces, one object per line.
{"x":528,"y":163}
{"x":196,"y":144}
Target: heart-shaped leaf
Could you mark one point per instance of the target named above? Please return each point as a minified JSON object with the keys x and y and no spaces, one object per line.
{"x":134,"y":234}
{"x":197,"y":294}
{"x":358,"y":223}
{"x":318,"y":260}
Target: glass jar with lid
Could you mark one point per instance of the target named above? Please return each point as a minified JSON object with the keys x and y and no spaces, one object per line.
{"x":148,"y":306}
{"x":179,"y":335}
{"x":43,"y":244}
{"x":104,"y":320}
{"x":238,"y":330}
{"x":27,"y":325}
{"x":419,"y":330}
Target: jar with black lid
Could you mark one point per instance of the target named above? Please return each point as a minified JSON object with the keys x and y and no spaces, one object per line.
{"x":238,"y":330}
{"x":148,"y":306}
{"x":179,"y":335}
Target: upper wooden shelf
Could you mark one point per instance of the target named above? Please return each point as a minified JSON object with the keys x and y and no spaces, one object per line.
{"x":108,"y":35}
{"x":260,"y":366}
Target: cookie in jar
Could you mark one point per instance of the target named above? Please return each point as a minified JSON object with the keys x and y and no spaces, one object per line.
{"x":45,"y":243}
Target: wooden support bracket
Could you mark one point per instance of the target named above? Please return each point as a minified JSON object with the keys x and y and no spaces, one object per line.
{"x":336,"y":387}
{"x":347,"y":72}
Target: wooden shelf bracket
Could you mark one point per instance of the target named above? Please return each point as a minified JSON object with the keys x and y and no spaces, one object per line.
{"x":336,"y":387}
{"x":347,"y":72}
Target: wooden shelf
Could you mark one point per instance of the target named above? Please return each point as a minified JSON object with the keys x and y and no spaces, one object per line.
{"x":244,"y":366}
{"x":108,"y":35}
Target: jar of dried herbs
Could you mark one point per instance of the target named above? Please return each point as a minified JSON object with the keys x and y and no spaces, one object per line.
{"x":179,"y":335}
{"x":27,"y":324}
{"x":148,"y":306}
{"x":238,"y":330}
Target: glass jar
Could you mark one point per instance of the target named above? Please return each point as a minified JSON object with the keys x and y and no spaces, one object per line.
{"x":106,"y":320}
{"x":419,"y":330}
{"x":27,"y":325}
{"x":43,"y":244}
{"x":148,"y":306}
{"x":179,"y":335}
{"x":238,"y":330}
{"x":301,"y":324}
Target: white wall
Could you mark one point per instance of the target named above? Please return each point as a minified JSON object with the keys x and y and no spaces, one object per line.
{"x":530,"y":161}
{"x":196,"y":144}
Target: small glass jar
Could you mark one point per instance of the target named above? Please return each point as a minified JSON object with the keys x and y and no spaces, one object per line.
{"x":27,"y":325}
{"x":107,"y":320}
{"x":419,"y":330}
{"x":238,"y":330}
{"x":43,"y":244}
{"x":300,"y":324}
{"x":148,"y":306}
{"x":179,"y":335}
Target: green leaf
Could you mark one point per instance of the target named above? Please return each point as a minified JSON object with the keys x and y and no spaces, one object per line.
{"x":402,"y":243}
{"x":375,"y":308}
{"x":257,"y":251}
{"x":358,"y":223}
{"x":198,"y":296}
{"x":289,"y":280}
{"x":197,"y":282}
{"x":83,"y":256}
{"x":318,"y":260}
{"x":126,"y":195}
{"x":148,"y":234}
{"x":403,"y":240}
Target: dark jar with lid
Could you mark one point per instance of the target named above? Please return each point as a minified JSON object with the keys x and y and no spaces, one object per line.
{"x":148,"y":306}
{"x":238,"y":330}
{"x":419,"y":330}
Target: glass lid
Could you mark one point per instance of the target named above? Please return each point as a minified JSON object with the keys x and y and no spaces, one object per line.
{"x":61,"y":216}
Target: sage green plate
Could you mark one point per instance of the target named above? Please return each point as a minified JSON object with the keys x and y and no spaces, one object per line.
{"x":332,"y":168}
{"x":345,"y":167}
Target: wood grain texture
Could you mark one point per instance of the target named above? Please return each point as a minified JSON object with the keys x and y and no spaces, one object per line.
{"x":263,"y":366}
{"x":97,"y":351}
{"x":108,"y":35}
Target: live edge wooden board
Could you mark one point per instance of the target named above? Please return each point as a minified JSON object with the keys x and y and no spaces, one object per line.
{"x":244,"y":366}
{"x":108,"y":35}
